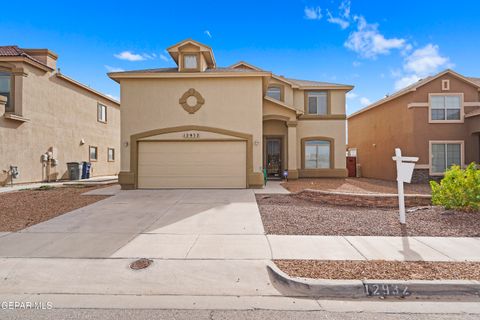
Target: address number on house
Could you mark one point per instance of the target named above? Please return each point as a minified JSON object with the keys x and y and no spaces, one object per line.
{"x":191,"y":135}
{"x":386,"y":290}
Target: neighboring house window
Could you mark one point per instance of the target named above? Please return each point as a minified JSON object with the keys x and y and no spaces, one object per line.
{"x":6,"y":89}
{"x":93,"y":153}
{"x":275,"y":92}
{"x":190,"y":61}
{"x":317,"y":103}
{"x":101,"y":113}
{"x":444,"y":155}
{"x":111,"y":154}
{"x":317,"y":154}
{"x":445,"y":107}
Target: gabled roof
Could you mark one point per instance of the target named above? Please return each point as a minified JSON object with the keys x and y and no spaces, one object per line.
{"x":244,"y":65}
{"x":15,"y":51}
{"x":206,"y":51}
{"x":413,"y":87}
{"x":284,"y":105}
{"x":310,"y":84}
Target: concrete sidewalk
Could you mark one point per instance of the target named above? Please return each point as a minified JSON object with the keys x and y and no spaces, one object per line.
{"x":374,"y":248}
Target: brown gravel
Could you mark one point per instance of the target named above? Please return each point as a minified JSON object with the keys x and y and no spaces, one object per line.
{"x":25,"y":208}
{"x":357,"y":185}
{"x":286,"y":214}
{"x":380,"y":270}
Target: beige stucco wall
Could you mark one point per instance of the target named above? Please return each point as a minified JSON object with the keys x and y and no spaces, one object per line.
{"x":233,"y":104}
{"x":60,"y":115}
{"x":334,"y":129}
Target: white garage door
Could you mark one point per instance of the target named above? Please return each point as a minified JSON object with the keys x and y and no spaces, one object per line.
{"x":199,"y":164}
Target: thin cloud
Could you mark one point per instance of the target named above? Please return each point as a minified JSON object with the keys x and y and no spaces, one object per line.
{"x":344,"y":24}
{"x":313,"y":13}
{"x":345,"y":9}
{"x":163,"y":57}
{"x":129,"y":56}
{"x":368,"y":42}
{"x":425,"y":60}
{"x":351,"y":95}
{"x":113,"y":69}
{"x":208,"y":33}
{"x":365,"y":101}
{"x":420,"y":63}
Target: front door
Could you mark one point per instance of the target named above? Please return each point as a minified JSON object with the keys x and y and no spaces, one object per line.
{"x":274,"y":157}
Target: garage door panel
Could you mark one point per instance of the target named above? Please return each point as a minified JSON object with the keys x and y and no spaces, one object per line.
{"x":212,"y":164}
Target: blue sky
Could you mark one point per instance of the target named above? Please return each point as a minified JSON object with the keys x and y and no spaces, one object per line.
{"x":378,"y":46}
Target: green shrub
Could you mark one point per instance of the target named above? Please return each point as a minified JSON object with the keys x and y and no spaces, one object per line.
{"x":459,"y":189}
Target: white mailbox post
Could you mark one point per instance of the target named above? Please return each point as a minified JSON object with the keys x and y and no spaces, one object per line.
{"x":405,"y":166}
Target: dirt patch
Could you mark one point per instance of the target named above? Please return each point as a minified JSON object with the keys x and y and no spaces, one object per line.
{"x":355,"y":185}
{"x":286,"y":214}
{"x":25,"y":208}
{"x":380,"y":270}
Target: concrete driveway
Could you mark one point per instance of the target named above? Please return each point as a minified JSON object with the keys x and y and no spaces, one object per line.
{"x":150,"y":223}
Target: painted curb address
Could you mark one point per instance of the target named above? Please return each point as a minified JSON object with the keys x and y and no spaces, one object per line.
{"x":373,"y":288}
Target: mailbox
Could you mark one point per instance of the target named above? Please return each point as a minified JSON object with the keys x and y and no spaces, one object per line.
{"x":405,"y":171}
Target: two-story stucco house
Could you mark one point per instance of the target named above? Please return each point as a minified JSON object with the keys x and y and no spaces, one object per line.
{"x":436,"y":119}
{"x":48,"y":119}
{"x":202,"y":126}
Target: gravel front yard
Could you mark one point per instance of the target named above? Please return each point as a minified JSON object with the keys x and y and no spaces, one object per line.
{"x":357,"y":185}
{"x":285,"y":214}
{"x":25,"y":208}
{"x":380,"y":270}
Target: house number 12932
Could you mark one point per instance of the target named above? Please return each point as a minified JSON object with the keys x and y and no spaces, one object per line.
{"x":386,"y":289}
{"x":191,"y":135}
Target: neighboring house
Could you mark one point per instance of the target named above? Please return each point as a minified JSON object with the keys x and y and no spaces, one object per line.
{"x":436,"y":119}
{"x":48,"y":119}
{"x":202,"y":126}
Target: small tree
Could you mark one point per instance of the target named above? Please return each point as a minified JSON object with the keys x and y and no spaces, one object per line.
{"x":459,"y":189}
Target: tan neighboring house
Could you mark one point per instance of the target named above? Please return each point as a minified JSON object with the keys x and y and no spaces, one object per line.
{"x":198,"y":125}
{"x":48,"y":119}
{"x":436,"y":119}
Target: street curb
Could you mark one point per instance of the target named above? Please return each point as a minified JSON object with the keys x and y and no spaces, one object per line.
{"x":320,"y":288}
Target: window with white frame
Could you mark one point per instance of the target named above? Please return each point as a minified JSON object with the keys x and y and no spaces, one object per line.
{"x":93,"y":153}
{"x":101,"y":113}
{"x":275,"y":92}
{"x":444,"y":155}
{"x":111,"y":154}
{"x":6,"y":89}
{"x":317,"y":102}
{"x":445,"y":107}
{"x":317,"y":154}
{"x":190,"y":61}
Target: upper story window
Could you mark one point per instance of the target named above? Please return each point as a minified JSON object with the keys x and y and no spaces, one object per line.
{"x":101,"y":113}
{"x":190,"y":61}
{"x":275,"y":92}
{"x":317,"y":102}
{"x":6,"y":89}
{"x":445,"y":107}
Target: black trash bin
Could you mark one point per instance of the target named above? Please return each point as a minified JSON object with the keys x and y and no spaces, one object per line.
{"x":86,"y":170}
{"x":74,"y":170}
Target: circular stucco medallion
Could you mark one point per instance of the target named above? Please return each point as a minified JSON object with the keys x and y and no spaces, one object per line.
{"x":197,"y":97}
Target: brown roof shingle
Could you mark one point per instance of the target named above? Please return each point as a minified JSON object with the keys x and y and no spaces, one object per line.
{"x":15,"y":51}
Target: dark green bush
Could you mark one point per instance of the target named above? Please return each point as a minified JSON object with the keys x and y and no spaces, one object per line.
{"x":459,"y":189}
